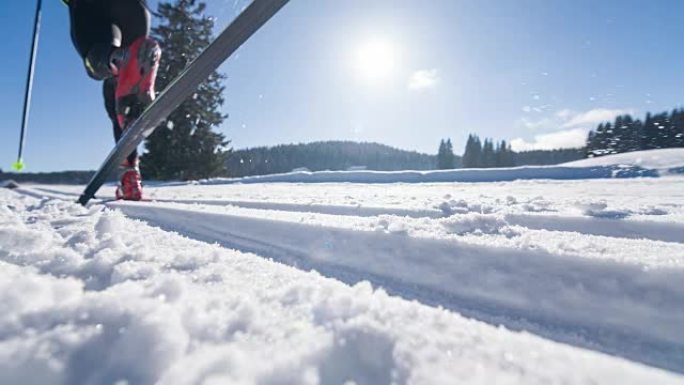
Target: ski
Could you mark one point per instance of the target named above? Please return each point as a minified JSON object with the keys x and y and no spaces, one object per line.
{"x":239,"y":31}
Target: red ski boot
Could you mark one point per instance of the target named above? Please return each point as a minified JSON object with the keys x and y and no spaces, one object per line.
{"x":137,"y":71}
{"x":130,"y":187}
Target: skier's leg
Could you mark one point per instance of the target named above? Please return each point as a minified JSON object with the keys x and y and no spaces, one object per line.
{"x":132,"y":19}
{"x":111,"y":37}
{"x":95,"y":37}
{"x":138,"y":68}
{"x":130,"y":185}
{"x":109,"y":86}
{"x":137,"y":61}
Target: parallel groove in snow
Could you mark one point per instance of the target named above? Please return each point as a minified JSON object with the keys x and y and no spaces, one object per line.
{"x":598,"y":264}
{"x":637,"y":229}
{"x":602,"y":303}
{"x":89,"y":296}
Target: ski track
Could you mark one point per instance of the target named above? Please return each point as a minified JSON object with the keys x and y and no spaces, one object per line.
{"x":632,"y":309}
{"x":599,"y":222}
{"x":551,"y":294}
{"x":88,"y":296}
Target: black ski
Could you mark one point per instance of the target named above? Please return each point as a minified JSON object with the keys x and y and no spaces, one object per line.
{"x":241,"y":29}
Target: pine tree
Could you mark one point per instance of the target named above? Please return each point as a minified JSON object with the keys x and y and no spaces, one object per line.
{"x":648,"y":139}
{"x":472,"y":157}
{"x":664,"y":139}
{"x":601,"y":142}
{"x":629,"y":134}
{"x":445,"y":155}
{"x":591,"y":144}
{"x":441,"y":154}
{"x":619,"y":128}
{"x":185,"y":147}
{"x":504,"y":155}
{"x":468,"y":153}
{"x":678,"y":127}
{"x":663,"y":130}
{"x":488,"y":154}
{"x":449,"y":155}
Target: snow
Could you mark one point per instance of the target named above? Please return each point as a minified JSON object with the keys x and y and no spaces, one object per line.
{"x":662,"y":159}
{"x":652,"y":163}
{"x":92,"y":297}
{"x":528,"y":281}
{"x":457,"y":175}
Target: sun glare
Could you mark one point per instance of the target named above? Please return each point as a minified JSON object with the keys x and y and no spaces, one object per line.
{"x":376,"y":59}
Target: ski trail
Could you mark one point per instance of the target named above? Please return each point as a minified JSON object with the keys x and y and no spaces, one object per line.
{"x":616,"y":308}
{"x":463,"y":175}
{"x":608,"y":227}
{"x":355,"y":211}
{"x":90,"y":296}
{"x":617,"y":228}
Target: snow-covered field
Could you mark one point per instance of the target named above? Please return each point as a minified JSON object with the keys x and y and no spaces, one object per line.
{"x":531,"y":281}
{"x":662,"y":159}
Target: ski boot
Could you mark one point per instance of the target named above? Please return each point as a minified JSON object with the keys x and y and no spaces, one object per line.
{"x":136,"y":71}
{"x":130,"y":187}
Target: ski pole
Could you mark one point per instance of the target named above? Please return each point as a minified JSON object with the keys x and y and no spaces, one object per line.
{"x":19,"y":164}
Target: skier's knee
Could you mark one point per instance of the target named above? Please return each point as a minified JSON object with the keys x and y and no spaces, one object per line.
{"x":98,"y":62}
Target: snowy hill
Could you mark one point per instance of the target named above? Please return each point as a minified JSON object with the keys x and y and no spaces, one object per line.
{"x":633,"y":165}
{"x":639,"y":164}
{"x":663,"y":159}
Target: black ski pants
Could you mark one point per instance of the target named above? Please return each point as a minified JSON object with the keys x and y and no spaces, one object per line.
{"x":99,"y":26}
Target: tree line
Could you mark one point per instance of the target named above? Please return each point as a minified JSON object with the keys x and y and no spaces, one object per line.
{"x":489,"y":153}
{"x":626,"y":134}
{"x":479,"y":154}
{"x":328,"y":155}
{"x":445,"y":156}
{"x":61,"y":177}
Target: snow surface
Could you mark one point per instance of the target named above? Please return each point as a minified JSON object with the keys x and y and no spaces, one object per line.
{"x":663,"y":159}
{"x":532,"y":281}
{"x":457,"y":175}
{"x":89,"y":296}
{"x":652,"y":163}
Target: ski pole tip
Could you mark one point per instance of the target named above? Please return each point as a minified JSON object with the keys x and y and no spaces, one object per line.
{"x":18,"y":165}
{"x":83,"y":200}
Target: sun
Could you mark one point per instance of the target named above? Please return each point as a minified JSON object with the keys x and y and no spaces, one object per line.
{"x":376,"y":59}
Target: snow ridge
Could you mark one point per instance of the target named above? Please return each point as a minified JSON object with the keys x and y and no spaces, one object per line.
{"x":651,"y":163}
{"x":597,"y":300}
{"x":93,"y":297}
{"x":459,"y":175}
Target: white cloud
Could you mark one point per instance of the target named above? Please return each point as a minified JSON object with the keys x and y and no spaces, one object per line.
{"x":594,"y":117}
{"x":574,"y":127}
{"x":561,"y":139}
{"x":423,"y":79}
{"x":565,"y":114}
{"x":536,"y":124}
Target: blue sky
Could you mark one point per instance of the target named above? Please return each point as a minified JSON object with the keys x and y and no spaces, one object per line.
{"x":404,"y":73}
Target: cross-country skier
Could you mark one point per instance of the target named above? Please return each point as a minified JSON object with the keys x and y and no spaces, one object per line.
{"x":112,"y":38}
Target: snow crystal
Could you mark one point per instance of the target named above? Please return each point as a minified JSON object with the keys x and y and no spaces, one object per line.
{"x":477,"y":223}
